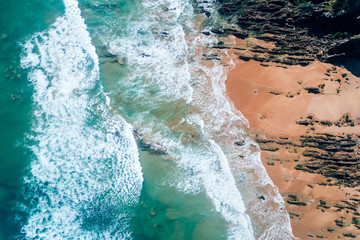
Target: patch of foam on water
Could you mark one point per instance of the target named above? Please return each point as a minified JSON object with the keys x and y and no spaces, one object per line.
{"x":85,"y":173}
{"x":157,"y":48}
{"x":208,"y":166}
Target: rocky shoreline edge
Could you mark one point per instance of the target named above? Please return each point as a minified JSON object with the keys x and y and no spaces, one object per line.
{"x":315,"y":161}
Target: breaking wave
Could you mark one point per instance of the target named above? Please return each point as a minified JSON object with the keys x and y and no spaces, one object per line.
{"x":85,"y":175}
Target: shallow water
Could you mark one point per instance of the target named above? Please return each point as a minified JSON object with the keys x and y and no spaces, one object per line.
{"x":93,"y":79}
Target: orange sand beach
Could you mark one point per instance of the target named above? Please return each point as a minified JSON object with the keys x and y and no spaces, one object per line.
{"x":284,"y":106}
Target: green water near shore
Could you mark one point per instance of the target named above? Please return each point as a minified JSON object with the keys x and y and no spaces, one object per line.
{"x":166,"y":213}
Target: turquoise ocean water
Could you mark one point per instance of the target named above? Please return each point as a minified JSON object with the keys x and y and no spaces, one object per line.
{"x":115,"y":125}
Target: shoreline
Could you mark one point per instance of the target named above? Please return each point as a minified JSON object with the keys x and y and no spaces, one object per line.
{"x":285,"y":105}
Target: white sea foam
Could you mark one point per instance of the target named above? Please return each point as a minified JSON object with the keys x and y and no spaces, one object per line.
{"x":85,"y":173}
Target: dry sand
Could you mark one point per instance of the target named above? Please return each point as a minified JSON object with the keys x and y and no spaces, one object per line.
{"x":273,"y":98}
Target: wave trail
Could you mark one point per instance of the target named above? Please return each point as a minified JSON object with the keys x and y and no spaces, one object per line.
{"x":85,"y":173}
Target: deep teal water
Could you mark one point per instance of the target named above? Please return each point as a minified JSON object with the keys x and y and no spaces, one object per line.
{"x":68,"y":162}
{"x":17,"y":22}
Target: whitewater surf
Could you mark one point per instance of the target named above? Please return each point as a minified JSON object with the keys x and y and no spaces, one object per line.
{"x":141,"y":68}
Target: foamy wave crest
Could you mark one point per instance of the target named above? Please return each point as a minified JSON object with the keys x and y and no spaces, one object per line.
{"x":85,"y":173}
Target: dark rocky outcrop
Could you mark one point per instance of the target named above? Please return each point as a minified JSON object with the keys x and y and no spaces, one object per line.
{"x":332,"y":156}
{"x":293,"y":200}
{"x":302,"y":31}
{"x":345,"y":120}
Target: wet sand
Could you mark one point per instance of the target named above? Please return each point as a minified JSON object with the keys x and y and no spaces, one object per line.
{"x":278,"y":101}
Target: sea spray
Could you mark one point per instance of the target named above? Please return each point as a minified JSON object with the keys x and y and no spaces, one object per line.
{"x":85,"y":176}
